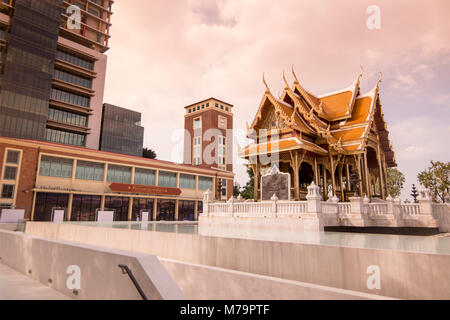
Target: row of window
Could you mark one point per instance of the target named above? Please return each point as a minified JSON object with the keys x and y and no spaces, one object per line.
{"x":203,"y":106}
{"x":10,"y":174}
{"x":65,"y":137}
{"x":73,"y":78}
{"x":86,"y":170}
{"x":69,"y":97}
{"x":67,"y":117}
{"x":74,"y":59}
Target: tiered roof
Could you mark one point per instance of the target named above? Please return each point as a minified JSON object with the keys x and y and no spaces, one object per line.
{"x":338,"y":122}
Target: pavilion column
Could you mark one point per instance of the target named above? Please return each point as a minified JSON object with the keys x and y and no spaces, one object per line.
{"x":341,"y":182}
{"x":296,"y":177}
{"x":333,"y":176}
{"x":360,"y":176}
{"x":366,"y":171}
{"x":324,"y":182}
{"x":316,"y":172}
{"x":385,"y":177}
{"x":256,"y":182}
{"x":347,"y":172}
{"x":381,"y":174}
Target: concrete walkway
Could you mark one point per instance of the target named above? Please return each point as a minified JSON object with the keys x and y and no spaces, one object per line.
{"x":16,"y":286}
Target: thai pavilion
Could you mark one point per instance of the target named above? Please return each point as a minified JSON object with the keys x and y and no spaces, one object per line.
{"x":339,"y":141}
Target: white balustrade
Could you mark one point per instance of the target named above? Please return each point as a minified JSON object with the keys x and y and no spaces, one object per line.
{"x":313,"y":206}
{"x":410,"y":209}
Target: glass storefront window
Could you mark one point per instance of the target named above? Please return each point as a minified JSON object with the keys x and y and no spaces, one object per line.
{"x":120,"y":205}
{"x":186,"y":210}
{"x":45,"y":202}
{"x":142,"y":204}
{"x":84,"y":207}
{"x":165,"y":210}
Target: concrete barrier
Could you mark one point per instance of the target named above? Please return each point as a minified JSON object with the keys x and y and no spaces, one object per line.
{"x":200,"y":282}
{"x":56,"y":263}
{"x":403,"y":275}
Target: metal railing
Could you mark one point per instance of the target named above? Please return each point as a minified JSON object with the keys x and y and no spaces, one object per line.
{"x":126,"y":270}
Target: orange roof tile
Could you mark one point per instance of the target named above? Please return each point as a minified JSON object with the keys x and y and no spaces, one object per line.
{"x":337,"y":105}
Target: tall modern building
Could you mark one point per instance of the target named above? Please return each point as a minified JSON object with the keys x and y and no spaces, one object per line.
{"x":121,"y":131}
{"x":52,"y":77}
{"x":208,"y":140}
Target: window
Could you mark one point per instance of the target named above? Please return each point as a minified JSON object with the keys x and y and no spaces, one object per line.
{"x":197,"y":123}
{"x":222,"y":122}
{"x":119,"y":174}
{"x":205,"y":183}
{"x":64,"y":137}
{"x":90,"y":171}
{"x":144,"y":177}
{"x":187,"y":181}
{"x":227,"y":109}
{"x":8,"y":191}
{"x":221,"y":107}
{"x":71,"y":98}
{"x":167,"y":179}
{"x":12,"y":157}
{"x":224,"y":187}
{"x":72,"y":78}
{"x":10,"y":173}
{"x":221,"y":153}
{"x":197,"y":150}
{"x":73,"y":59}
{"x":56,"y":167}
{"x":207,"y":104}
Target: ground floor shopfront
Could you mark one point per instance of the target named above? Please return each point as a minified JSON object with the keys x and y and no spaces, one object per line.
{"x":79,"y":207}
{"x":39,"y":177}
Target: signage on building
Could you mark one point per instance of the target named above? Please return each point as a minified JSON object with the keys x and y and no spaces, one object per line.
{"x":153,"y":190}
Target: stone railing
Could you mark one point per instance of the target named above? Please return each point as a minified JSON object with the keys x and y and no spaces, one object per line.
{"x":357,"y":212}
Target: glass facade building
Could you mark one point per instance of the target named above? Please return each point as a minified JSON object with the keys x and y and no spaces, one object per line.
{"x":29,"y":67}
{"x":121,"y":131}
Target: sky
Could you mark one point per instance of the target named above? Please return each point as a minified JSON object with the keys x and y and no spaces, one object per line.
{"x":167,"y":54}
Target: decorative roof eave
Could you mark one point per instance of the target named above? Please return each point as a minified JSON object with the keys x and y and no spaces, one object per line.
{"x":306,"y":95}
{"x":315,"y":122}
{"x":274,"y":101}
{"x":261,"y":148}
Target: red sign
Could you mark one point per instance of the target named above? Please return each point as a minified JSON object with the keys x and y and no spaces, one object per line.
{"x":136,"y":188}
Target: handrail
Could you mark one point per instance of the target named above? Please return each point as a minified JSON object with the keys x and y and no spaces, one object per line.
{"x":126,"y":270}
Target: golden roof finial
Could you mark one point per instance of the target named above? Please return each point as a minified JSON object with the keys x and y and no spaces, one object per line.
{"x":285,"y":81}
{"x":295,"y":76}
{"x":380,"y":79}
{"x":265,"y":83}
{"x":361,"y":73}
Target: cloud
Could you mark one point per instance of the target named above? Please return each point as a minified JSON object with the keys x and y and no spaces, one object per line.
{"x":167,"y":54}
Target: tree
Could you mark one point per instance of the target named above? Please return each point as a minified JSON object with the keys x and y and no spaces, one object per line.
{"x":395,"y":181}
{"x":248,"y":191}
{"x":149,"y":153}
{"x":414,"y":193}
{"x":436,"y":179}
{"x":236,"y":190}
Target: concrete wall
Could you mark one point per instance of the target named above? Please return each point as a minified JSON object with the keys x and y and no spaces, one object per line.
{"x":209,"y":283}
{"x":101,"y":278}
{"x":404,"y":275}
